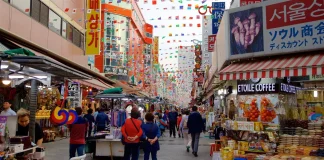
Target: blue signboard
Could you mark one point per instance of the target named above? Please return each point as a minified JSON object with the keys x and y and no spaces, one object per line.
{"x":218,"y":11}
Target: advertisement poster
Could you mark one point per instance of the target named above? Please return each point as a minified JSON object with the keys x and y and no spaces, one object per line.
{"x":155,"y":50}
{"x":218,"y":11}
{"x":246,"y":31}
{"x":93,"y":32}
{"x":74,"y":94}
{"x":262,"y":108}
{"x":3,"y":122}
{"x":276,"y":27}
{"x":248,"y":2}
{"x":211,"y":42}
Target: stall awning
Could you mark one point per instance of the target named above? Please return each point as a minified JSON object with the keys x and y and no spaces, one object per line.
{"x":49,"y":66}
{"x":94,"y":83}
{"x":300,"y":65}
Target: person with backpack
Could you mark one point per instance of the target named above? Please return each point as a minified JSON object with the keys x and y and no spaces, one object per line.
{"x":184,"y":129}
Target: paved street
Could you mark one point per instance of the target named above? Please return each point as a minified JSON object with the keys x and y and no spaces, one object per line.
{"x":171,"y":149}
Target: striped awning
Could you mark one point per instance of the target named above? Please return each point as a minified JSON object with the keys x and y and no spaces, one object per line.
{"x":302,"y":65}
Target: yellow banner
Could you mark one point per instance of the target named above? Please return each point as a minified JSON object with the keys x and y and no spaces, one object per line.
{"x":93,"y":32}
{"x":156,"y":50}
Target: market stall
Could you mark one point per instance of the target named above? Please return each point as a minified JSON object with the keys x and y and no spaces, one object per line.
{"x":275,"y":120}
{"x":108,"y":143}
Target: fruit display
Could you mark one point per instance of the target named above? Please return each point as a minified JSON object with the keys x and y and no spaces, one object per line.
{"x":252,"y":112}
{"x":267,"y":110}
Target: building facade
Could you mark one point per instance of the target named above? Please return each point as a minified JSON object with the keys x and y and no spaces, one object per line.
{"x":126,"y":44}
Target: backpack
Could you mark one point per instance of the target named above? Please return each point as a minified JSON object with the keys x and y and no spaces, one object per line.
{"x":185,"y":124}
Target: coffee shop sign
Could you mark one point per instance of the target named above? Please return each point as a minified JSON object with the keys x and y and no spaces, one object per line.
{"x":266,"y":88}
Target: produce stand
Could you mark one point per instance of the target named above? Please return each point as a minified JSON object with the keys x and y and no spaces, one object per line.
{"x":108,"y":143}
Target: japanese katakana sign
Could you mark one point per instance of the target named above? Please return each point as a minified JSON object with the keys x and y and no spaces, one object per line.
{"x":274,"y":27}
{"x":93,"y":27}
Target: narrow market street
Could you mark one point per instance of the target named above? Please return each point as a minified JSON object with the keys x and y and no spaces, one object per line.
{"x":171,"y":149}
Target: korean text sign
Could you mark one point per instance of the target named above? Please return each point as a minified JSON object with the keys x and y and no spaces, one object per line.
{"x":93,"y":27}
{"x":156,"y":50}
{"x":211,"y":42}
{"x":274,"y":27}
{"x":218,"y":11}
{"x":248,"y":2}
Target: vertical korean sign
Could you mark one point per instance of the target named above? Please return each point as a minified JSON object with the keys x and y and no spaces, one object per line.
{"x":156,"y":50}
{"x":218,"y":11}
{"x":211,"y":42}
{"x":93,"y":32}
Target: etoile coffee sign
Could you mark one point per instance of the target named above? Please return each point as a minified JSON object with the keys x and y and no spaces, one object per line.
{"x":255,"y":88}
{"x":264,"y":86}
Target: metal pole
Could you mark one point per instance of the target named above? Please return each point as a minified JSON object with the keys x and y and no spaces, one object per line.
{"x":32,"y":109}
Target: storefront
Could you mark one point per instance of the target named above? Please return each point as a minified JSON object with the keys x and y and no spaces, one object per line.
{"x":275,"y":96}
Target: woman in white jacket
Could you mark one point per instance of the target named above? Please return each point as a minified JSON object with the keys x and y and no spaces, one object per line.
{"x":184,"y":129}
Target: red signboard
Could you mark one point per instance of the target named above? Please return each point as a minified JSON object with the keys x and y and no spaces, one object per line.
{"x":211,"y":42}
{"x":294,"y":12}
{"x":247,"y":2}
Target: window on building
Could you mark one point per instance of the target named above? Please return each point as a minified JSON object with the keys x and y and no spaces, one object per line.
{"x":63,"y":32}
{"x":69,"y":32}
{"x":44,"y":14}
{"x":76,"y":37}
{"x":54,"y":22}
{"x":35,"y":12}
{"x":24,"y":5}
{"x":82,"y":41}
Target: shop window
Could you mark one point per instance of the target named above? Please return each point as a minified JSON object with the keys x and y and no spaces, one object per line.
{"x":107,"y":61}
{"x":35,"y":12}
{"x":44,"y":14}
{"x":69,"y":32}
{"x":63,"y":32}
{"x":23,"y":6}
{"x":54,"y":22}
{"x":76,"y":37}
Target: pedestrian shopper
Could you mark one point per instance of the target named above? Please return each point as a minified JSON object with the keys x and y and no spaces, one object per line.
{"x":184,"y":129}
{"x":132,"y":132}
{"x":95,"y":114}
{"x":78,"y":134}
{"x":152,"y":134}
{"x":195,"y":126}
{"x":90,"y":118}
{"x":7,"y":109}
{"x":102,"y":120}
{"x":172,"y":122}
{"x":180,"y":134}
{"x":203,"y":116}
{"x":162,"y":124}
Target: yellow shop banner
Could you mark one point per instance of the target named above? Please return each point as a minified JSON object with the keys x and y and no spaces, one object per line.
{"x":93,"y":32}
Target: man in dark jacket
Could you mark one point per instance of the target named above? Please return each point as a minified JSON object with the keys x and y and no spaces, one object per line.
{"x":196,"y":126}
{"x":172,"y":122}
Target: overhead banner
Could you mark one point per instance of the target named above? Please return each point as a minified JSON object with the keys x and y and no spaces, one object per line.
{"x":248,"y":2}
{"x":93,"y":32}
{"x":156,"y":50}
{"x":272,"y":27}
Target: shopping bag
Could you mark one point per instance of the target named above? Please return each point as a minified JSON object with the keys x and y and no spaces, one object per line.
{"x":216,"y":156}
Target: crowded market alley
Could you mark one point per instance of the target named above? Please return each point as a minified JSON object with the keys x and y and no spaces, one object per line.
{"x":171,"y":149}
{"x":162,"y":79}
